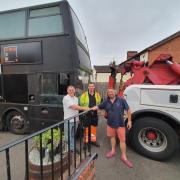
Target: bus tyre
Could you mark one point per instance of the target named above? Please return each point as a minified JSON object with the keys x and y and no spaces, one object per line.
{"x":154,"y":138}
{"x":17,"y":122}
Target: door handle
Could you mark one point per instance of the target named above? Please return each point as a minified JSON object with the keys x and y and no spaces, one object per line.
{"x":44,"y":111}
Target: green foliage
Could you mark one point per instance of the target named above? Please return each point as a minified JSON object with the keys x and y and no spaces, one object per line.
{"x":46,"y":139}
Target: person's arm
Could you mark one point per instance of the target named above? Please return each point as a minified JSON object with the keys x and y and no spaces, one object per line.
{"x":100,"y":106}
{"x":94,"y":108}
{"x":126,"y":107}
{"x":79,"y":108}
{"x":129,"y":124}
{"x":68,"y":103}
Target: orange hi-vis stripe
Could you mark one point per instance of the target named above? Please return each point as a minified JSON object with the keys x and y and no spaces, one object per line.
{"x":93,"y":134}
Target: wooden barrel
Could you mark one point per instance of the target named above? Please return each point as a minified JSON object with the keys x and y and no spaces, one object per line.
{"x":35,"y":170}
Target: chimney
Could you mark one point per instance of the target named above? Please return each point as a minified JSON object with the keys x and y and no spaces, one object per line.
{"x":131,"y":54}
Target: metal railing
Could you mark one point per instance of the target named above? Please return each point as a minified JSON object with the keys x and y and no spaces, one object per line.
{"x":74,"y":159}
{"x":83,"y":167}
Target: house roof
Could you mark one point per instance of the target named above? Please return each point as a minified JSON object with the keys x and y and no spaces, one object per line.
{"x":154,"y":46}
{"x":103,"y":69}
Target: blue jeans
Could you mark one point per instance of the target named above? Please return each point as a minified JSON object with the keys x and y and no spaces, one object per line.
{"x":71,"y":133}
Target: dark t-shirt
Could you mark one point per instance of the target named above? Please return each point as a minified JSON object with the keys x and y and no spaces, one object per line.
{"x":92,"y":100}
{"x":92,"y":103}
{"x":115,"y":111}
{"x":92,"y":118}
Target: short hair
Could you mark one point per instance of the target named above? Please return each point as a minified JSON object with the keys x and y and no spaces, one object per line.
{"x":91,"y":84}
{"x":70,"y":86}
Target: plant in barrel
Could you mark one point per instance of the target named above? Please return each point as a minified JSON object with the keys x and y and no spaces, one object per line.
{"x":47,"y":139}
{"x":42,"y":153}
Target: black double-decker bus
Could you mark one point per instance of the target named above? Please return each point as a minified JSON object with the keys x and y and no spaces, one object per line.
{"x":43,"y":49}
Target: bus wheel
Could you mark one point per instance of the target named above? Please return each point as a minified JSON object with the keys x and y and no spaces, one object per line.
{"x":17,"y":122}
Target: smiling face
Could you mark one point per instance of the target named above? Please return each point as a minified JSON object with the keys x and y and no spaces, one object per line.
{"x":71,"y":91}
{"x":111,"y":93}
{"x":91,"y":88}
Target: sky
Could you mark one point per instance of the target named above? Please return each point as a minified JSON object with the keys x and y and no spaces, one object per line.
{"x":113,"y":27}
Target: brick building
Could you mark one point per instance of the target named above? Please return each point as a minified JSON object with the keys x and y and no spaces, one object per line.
{"x":101,"y":77}
{"x":169,"y":45}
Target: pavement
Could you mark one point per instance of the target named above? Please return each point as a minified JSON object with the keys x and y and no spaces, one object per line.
{"x":106,"y":169}
{"x":144,"y":168}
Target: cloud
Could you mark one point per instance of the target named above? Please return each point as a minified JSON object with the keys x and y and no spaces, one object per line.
{"x":114,"y":27}
{"x":117,"y":26}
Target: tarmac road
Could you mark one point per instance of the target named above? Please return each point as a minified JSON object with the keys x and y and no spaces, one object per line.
{"x":144,"y":168}
{"x":17,"y":157}
{"x":106,"y":169}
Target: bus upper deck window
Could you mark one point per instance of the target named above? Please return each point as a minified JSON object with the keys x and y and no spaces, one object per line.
{"x":40,"y":21}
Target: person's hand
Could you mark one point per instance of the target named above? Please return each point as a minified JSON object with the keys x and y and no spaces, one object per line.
{"x":94,"y":108}
{"x":129,"y":125}
{"x":87,"y":108}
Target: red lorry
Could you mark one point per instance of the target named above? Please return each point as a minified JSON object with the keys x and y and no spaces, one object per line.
{"x":153,"y":94}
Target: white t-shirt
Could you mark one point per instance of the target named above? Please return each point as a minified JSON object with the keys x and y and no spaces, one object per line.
{"x":67,"y":102}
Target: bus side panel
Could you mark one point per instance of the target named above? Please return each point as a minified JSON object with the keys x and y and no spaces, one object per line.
{"x":6,"y":108}
{"x":44,"y":115}
{"x":37,"y":117}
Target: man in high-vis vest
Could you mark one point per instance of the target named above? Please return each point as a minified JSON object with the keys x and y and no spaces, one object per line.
{"x":90,"y":99}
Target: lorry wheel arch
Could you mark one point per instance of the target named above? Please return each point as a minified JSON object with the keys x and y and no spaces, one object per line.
{"x":154,"y":138}
{"x":173,"y":122}
{"x":15,"y":121}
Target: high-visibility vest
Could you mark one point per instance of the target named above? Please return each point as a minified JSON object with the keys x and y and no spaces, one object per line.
{"x":84,"y":99}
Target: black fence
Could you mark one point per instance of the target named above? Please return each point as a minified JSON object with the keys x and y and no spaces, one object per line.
{"x":49,"y":155}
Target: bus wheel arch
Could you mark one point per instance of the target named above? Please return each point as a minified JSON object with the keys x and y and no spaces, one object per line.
{"x":15,"y":121}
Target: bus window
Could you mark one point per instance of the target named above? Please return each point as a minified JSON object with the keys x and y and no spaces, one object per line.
{"x":53,"y":88}
{"x":63,"y":83}
{"x":45,"y":11}
{"x":15,"y":21}
{"x":79,"y":30}
{"x":45,"y":21}
{"x":83,"y":79}
{"x":49,"y":83}
{"x":21,"y":53}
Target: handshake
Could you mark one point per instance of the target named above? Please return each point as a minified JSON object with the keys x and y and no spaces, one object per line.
{"x":92,"y":108}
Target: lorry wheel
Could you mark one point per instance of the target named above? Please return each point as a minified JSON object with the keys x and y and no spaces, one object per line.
{"x":154,"y":138}
{"x":17,"y":122}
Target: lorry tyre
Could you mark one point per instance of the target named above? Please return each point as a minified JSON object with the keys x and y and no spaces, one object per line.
{"x":154,"y":138}
{"x":16,"y":122}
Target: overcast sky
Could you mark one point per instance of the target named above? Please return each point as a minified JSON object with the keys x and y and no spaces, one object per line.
{"x":113,"y":27}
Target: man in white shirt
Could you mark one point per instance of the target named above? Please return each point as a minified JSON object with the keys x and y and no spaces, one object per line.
{"x":71,"y":108}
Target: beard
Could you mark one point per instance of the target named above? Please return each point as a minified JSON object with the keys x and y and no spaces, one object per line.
{"x":111,"y":97}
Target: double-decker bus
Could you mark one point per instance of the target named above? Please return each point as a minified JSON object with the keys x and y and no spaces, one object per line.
{"x":43,"y":49}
